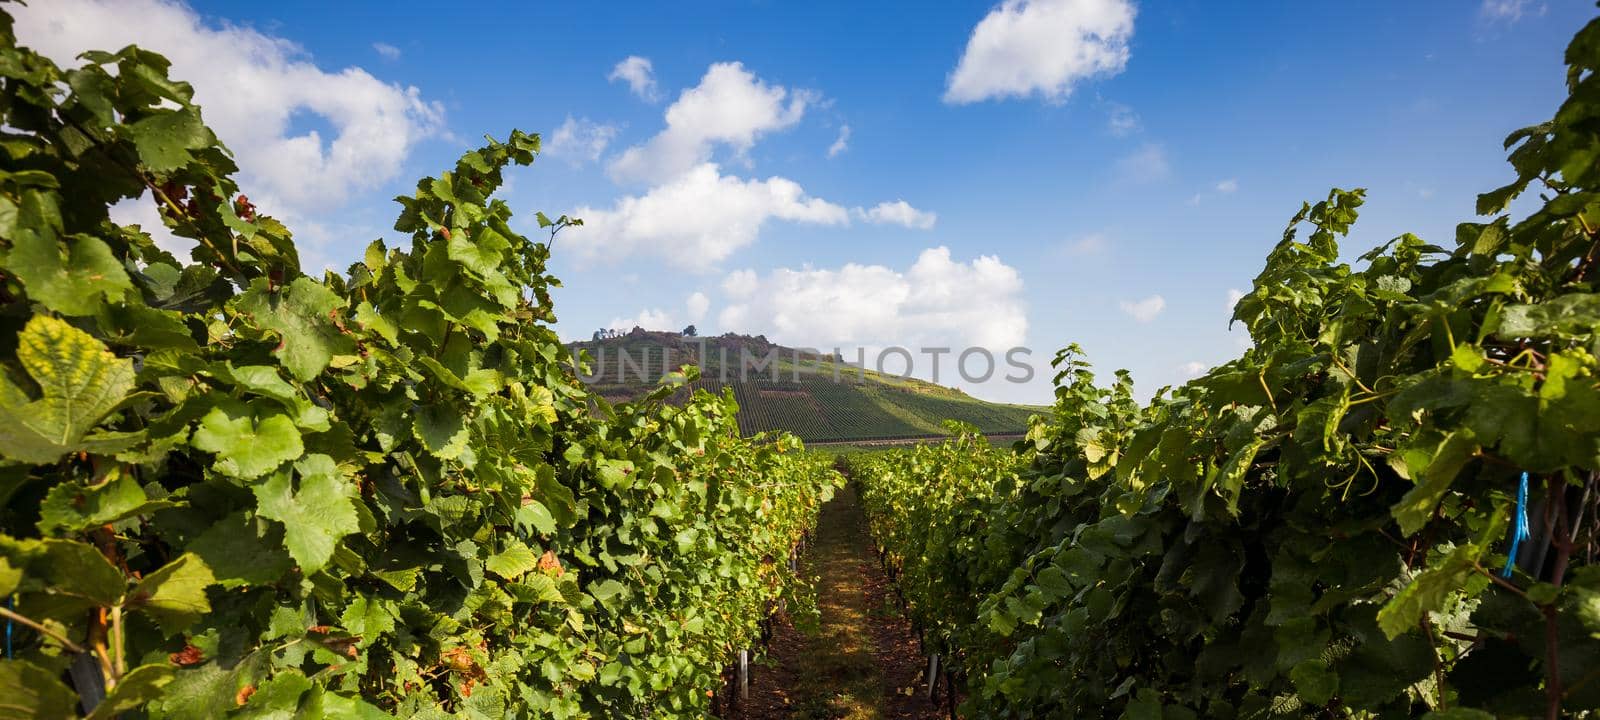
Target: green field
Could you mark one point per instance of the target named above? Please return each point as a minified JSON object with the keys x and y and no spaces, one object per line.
{"x":798,"y":392}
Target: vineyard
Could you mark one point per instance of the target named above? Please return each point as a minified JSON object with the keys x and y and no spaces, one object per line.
{"x":233,"y":489}
{"x":1387,"y":507}
{"x":802,"y":398}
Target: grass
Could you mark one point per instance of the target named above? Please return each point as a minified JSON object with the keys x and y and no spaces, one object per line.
{"x":838,"y":670}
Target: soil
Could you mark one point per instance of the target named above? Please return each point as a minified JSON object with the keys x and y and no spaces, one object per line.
{"x":860,"y":659}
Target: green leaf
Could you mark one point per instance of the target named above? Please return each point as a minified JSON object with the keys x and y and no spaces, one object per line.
{"x":1575,"y":315}
{"x":137,"y":687}
{"x":74,"y":568}
{"x":513,"y":562}
{"x":74,"y":507}
{"x":533,"y":514}
{"x":1417,"y":506}
{"x":442,"y":431}
{"x":10,"y":577}
{"x":1427,"y":592}
{"x":367,"y":617}
{"x":164,"y":139}
{"x":324,"y":704}
{"x":300,"y":316}
{"x":249,"y":440}
{"x":277,"y":698}
{"x":606,"y":591}
{"x":243,"y":550}
{"x":76,"y":278}
{"x":175,"y":595}
{"x":316,"y":515}
{"x":80,"y":381}
{"x":1315,"y":683}
{"x":29,"y":691}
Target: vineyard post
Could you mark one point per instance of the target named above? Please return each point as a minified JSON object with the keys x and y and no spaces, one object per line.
{"x":933,"y":674}
{"x":744,"y":674}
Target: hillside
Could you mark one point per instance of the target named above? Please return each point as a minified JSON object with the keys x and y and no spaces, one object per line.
{"x":802,"y":397}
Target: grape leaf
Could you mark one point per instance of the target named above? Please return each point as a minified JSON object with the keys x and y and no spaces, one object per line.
{"x":249,"y":440}
{"x":315,"y":515}
{"x":80,"y":381}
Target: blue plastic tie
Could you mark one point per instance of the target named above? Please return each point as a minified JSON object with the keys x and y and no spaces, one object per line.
{"x":11,"y":604}
{"x":1520,"y":532}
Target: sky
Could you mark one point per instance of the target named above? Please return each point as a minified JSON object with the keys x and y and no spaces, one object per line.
{"x":866,"y":175}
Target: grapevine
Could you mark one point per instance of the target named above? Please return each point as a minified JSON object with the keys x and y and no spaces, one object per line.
{"x":1316,"y":528}
{"x":233,"y":489}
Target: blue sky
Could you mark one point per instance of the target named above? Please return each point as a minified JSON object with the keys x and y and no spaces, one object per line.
{"x":1032,"y":173}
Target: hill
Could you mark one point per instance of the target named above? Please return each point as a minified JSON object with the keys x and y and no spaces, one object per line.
{"x":818,"y":397}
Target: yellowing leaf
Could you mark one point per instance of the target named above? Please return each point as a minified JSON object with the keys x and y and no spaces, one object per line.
{"x":80,"y":382}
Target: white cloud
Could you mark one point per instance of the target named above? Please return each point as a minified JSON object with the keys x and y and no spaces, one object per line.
{"x":1509,"y":11}
{"x":1144,"y":310}
{"x":898,"y":212}
{"x":1043,"y":47}
{"x":251,"y":86}
{"x":640,"y":76}
{"x":841,"y":143}
{"x":579,"y":140}
{"x":730,"y":106}
{"x":1193,"y":369}
{"x":1146,"y":165}
{"x":1222,"y":187}
{"x":697,"y":304}
{"x":936,"y":302}
{"x":1121,"y":120}
{"x":648,"y":318}
{"x":698,"y":218}
{"x":741,"y":283}
{"x":1234,"y":296}
{"x":389,"y":52}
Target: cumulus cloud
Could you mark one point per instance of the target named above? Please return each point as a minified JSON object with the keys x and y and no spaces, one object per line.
{"x":1144,"y":310}
{"x":640,"y":76}
{"x":389,"y":52}
{"x":648,"y":318}
{"x":1042,"y":47}
{"x":898,"y":212}
{"x":741,"y":283}
{"x":251,"y":85}
{"x":938,"y":301}
{"x":697,"y":304}
{"x":730,"y":107}
{"x":1148,"y":164}
{"x":698,"y":218}
{"x":1227,"y":187}
{"x":1193,"y":369}
{"x":841,"y":143}
{"x":579,"y":140}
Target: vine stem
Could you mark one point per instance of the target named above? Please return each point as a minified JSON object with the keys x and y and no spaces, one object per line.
{"x":21,"y":619}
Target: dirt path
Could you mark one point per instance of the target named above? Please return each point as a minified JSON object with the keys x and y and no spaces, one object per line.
{"x":858,"y":664}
